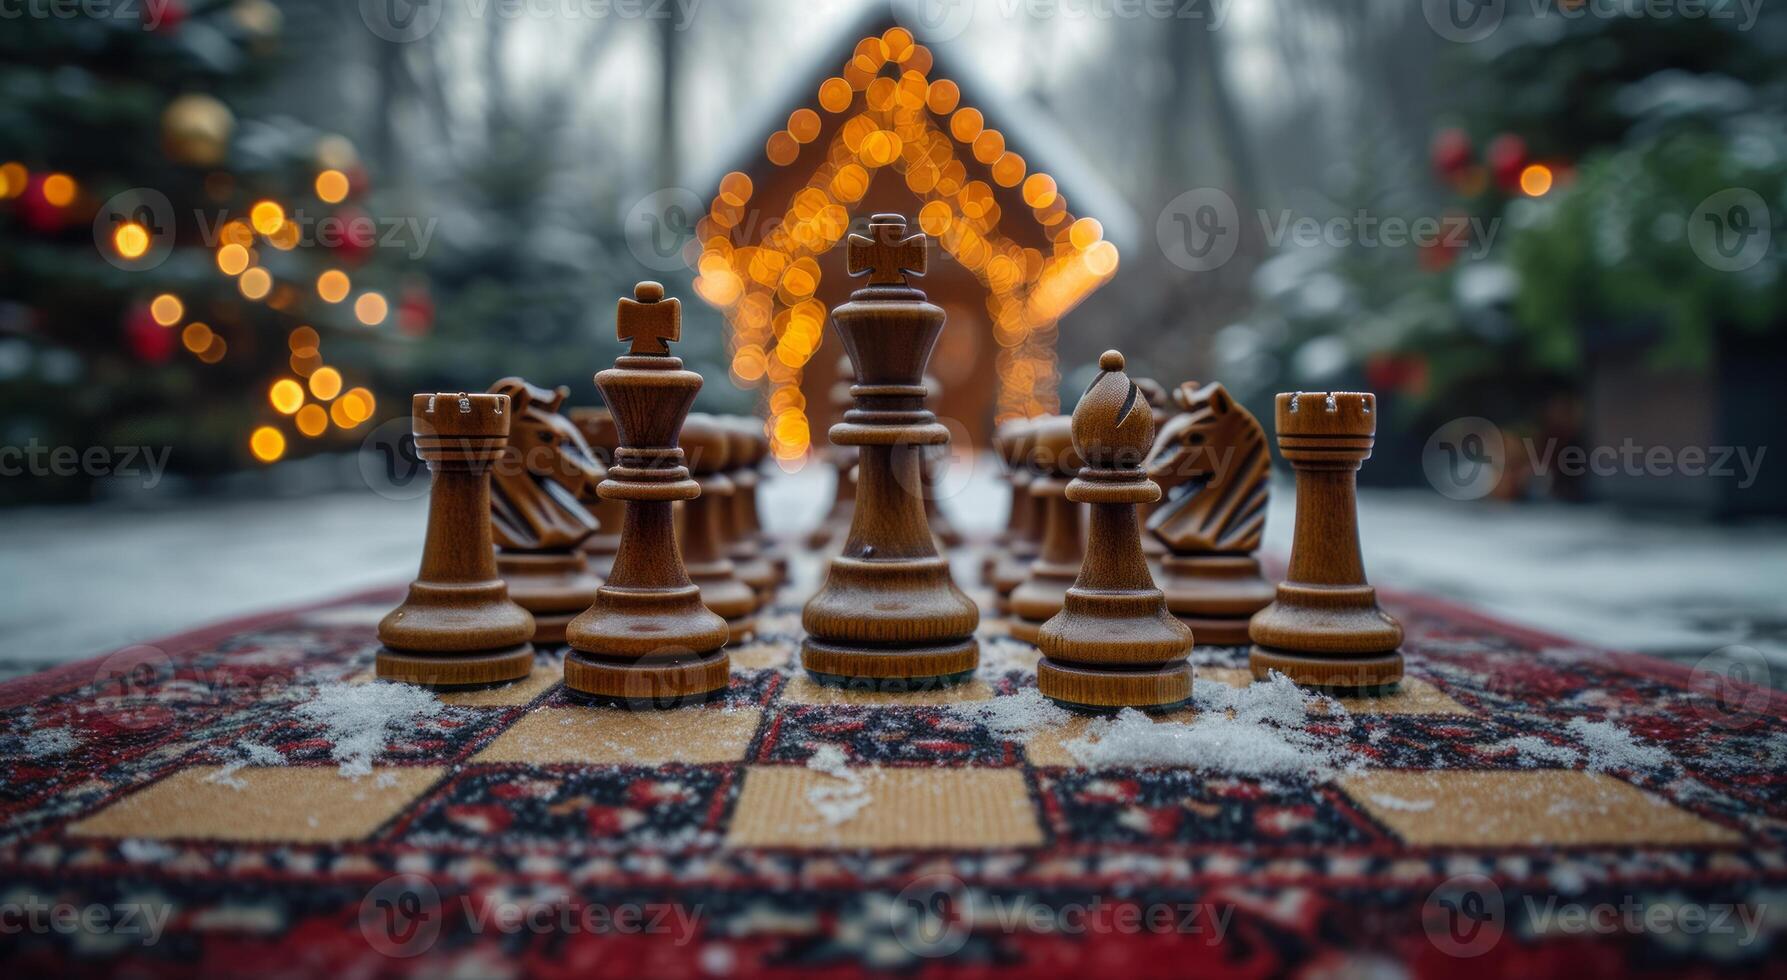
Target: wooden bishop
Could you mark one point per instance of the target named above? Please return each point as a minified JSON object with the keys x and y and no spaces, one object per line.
{"x":458,"y":627}
{"x":1113,"y":644}
{"x":1325,"y":628}
{"x":647,"y":639}
{"x":889,"y":616}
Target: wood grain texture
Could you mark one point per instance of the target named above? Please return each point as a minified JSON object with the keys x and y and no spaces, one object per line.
{"x":647,"y":639}
{"x":1114,"y":644}
{"x":1325,"y":628}
{"x":457,"y":626}
{"x":1214,"y":468}
{"x":888,"y":609}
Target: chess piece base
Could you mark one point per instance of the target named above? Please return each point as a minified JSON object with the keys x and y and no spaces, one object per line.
{"x":1366,"y":675}
{"x":455,"y":670}
{"x":903,"y":668}
{"x":554,"y":586}
{"x":1040,"y":597}
{"x":1104,"y":689}
{"x":647,"y":624}
{"x":1215,"y":595}
{"x":655,"y":683}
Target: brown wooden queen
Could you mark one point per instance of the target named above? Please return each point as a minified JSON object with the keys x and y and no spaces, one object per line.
{"x":889,"y":615}
{"x":458,"y":627}
{"x":1113,"y":644}
{"x":647,"y":639}
{"x":1325,"y":628}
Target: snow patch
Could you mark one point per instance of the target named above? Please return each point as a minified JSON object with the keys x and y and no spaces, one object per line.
{"x":836,"y":802}
{"x":360,"y":718}
{"x":1021,"y":716}
{"x":1612,"y":747}
{"x":47,"y":742}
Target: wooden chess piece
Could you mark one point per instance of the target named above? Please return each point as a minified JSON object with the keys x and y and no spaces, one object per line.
{"x":1214,"y":469}
{"x":744,"y":534}
{"x":1325,"y":628}
{"x":457,"y":627}
{"x":1160,"y":407}
{"x":1113,"y":644}
{"x":647,"y":639}
{"x":597,"y":426}
{"x":843,"y":463}
{"x":1004,"y":437}
{"x":774,"y":548}
{"x":1013,"y":566}
{"x":1044,"y":589}
{"x":889,"y":615}
{"x":707,"y":441}
{"x":538,"y":524}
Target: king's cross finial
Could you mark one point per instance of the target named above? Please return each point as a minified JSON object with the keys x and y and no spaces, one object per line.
{"x":885,"y":253}
{"x":649,"y":320}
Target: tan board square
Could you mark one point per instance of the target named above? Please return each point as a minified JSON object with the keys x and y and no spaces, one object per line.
{"x":900,"y":808}
{"x":615,"y":736}
{"x":802,"y":690}
{"x":1413,"y":696}
{"x":1561,"y":807}
{"x":306,"y":804}
{"x":521,"y":692}
{"x":1048,"y":747}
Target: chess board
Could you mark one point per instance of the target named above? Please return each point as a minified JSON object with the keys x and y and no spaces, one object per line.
{"x":791,"y":827}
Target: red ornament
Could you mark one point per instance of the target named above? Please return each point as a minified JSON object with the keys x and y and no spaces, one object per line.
{"x":1450,"y":152}
{"x":1507,"y":157}
{"x":1406,"y":373}
{"x":163,"y":16}
{"x":351,"y":234}
{"x":415,"y":311}
{"x":36,"y":211}
{"x":149,"y":341}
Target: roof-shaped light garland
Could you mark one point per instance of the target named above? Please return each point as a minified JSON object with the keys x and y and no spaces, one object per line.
{"x":896,"y":118}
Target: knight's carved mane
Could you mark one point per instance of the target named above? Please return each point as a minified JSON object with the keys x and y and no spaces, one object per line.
{"x":546,"y":465}
{"x":1213,"y":464}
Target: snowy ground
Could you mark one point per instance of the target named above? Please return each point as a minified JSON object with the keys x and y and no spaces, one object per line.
{"x":84,"y":581}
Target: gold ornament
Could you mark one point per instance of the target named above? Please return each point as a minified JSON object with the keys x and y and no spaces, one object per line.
{"x":196,"y":130}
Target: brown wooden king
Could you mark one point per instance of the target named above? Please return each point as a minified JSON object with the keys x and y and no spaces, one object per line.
{"x":1325,"y":628}
{"x":1113,"y":644}
{"x":458,"y":627}
{"x":889,"y":616}
{"x":647,"y":640}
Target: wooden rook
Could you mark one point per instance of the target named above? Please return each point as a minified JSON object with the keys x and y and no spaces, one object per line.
{"x":647,"y":640}
{"x":538,"y":523}
{"x":744,"y":532}
{"x":597,"y":426}
{"x":1113,"y":644}
{"x":1040,"y":596}
{"x":1325,"y":628}
{"x":889,"y":616}
{"x":457,"y":627}
{"x":1014,"y":564}
{"x":1214,"y":470}
{"x":708,"y":441}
